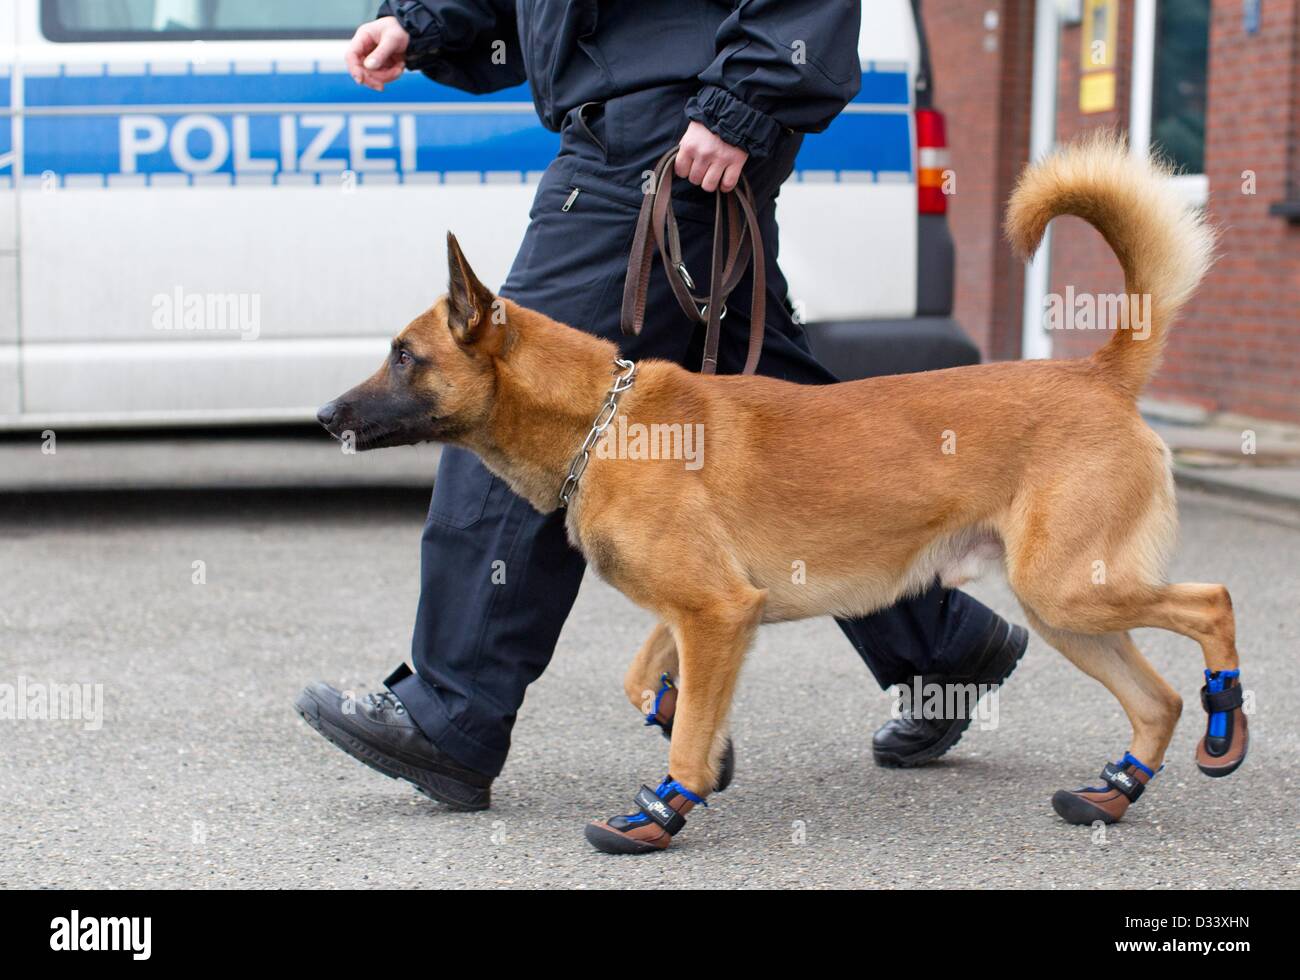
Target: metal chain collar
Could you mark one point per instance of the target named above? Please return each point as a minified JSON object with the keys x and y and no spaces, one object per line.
{"x":604,"y":417}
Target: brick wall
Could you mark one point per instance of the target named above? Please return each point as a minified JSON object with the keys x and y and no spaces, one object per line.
{"x":1237,"y":348}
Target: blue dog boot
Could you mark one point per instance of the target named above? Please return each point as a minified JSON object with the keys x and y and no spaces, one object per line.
{"x":1123,"y":783}
{"x":1223,"y":748}
{"x":661,"y":814}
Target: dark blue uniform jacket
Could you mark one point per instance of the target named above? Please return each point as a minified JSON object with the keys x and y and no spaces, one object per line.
{"x":758,"y":73}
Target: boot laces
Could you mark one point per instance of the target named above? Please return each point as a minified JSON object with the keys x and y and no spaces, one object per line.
{"x":385,"y":701}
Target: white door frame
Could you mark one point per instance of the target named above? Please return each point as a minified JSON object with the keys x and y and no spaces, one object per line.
{"x":1142,"y":97}
{"x":1035,"y":341}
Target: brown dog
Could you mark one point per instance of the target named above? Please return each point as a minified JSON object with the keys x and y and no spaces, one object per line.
{"x":1044,"y":464}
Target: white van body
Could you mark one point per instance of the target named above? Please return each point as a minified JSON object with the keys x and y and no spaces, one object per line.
{"x":229,"y":231}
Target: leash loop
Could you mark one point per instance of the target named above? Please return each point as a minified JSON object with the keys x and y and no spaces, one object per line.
{"x":737,"y":242}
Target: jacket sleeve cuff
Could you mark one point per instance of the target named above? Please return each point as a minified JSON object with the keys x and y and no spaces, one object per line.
{"x":418,"y":21}
{"x":735,"y":122}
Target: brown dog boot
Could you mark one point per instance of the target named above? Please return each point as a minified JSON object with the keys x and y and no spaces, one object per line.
{"x":662,"y":813}
{"x":662,"y":715}
{"x":1124,"y":782}
{"x":1223,"y":748}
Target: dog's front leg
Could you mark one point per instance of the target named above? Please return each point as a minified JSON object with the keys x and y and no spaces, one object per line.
{"x":711,"y":646}
{"x":654,"y":665}
{"x":651,"y":686}
{"x":711,"y":642}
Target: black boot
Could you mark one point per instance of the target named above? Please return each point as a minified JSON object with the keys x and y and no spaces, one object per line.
{"x":911,"y":741}
{"x":377,"y":730}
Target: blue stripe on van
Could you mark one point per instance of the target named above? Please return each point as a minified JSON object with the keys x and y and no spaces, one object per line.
{"x":876,"y":142}
{"x":6,"y":129}
{"x":505,"y":141}
{"x":466,"y":142}
{"x":884,"y":88}
{"x":108,"y":142}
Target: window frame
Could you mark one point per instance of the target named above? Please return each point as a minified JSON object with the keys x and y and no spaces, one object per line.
{"x":1142,"y":105}
{"x":52,"y":30}
{"x":1142,"y":111}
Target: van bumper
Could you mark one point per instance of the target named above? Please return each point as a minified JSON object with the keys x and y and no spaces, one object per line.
{"x":854,"y":349}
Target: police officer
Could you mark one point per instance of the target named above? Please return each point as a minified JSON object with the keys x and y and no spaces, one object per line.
{"x":734,"y":84}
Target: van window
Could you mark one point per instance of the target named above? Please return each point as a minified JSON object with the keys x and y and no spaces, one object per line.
{"x":192,"y":20}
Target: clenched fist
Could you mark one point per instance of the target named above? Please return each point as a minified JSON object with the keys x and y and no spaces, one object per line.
{"x":708,"y":161}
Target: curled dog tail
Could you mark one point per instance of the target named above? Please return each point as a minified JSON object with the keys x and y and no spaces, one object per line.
{"x":1164,"y":246}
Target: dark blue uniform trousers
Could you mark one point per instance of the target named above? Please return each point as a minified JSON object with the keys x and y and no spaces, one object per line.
{"x":478,"y":645}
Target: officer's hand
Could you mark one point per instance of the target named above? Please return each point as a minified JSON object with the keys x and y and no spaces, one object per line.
{"x":377,"y":53}
{"x":708,"y":161}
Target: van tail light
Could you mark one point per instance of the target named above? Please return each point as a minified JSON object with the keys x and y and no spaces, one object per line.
{"x":932,"y":161}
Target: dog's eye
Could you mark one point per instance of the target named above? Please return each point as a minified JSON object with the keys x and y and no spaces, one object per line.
{"x":403,"y":358}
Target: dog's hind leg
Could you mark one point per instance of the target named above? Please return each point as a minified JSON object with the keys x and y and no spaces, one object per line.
{"x":1152,"y":707}
{"x":1200,"y":612}
{"x":1204,"y":613}
{"x":1104,"y":575}
{"x":712,"y":638}
{"x":1088,"y":618}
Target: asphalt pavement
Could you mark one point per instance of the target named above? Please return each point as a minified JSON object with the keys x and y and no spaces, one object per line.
{"x":199,"y":774}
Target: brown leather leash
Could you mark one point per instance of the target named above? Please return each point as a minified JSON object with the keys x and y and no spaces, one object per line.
{"x":735,"y":243}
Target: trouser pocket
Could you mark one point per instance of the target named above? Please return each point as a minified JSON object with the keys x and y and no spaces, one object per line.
{"x":461,"y":492}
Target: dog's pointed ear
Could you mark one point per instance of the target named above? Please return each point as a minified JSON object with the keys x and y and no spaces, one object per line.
{"x":471,"y":307}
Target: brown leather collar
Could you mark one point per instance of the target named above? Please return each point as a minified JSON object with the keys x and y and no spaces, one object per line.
{"x":735,"y":243}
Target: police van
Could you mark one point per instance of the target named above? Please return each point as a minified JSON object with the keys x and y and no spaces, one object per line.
{"x":203,"y":220}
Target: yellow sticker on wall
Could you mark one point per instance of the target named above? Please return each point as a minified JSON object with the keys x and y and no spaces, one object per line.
{"x":1097,"y":92}
{"x":1098,"y":57}
{"x":1100,"y":33}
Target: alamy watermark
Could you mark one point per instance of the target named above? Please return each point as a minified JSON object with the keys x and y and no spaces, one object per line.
{"x":28,"y":701}
{"x":656,"y":440}
{"x":1098,"y":311}
{"x":77,"y":933}
{"x":942,"y":702}
{"x":239,"y":313}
